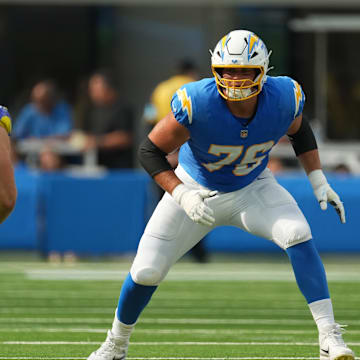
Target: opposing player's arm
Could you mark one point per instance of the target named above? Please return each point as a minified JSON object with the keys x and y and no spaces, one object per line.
{"x":7,"y":182}
{"x":304,"y":144}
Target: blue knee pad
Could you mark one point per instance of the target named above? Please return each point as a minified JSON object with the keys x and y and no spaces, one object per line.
{"x":133,"y":299}
{"x":309,"y":271}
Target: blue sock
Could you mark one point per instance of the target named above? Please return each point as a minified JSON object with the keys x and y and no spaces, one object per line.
{"x":132,"y":301}
{"x":309,"y":271}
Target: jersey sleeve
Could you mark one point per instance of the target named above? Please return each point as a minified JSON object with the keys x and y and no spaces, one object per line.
{"x":182,"y":106}
{"x":299,"y":98}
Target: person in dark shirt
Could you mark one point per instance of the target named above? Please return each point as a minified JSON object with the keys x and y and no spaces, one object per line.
{"x":108,"y":123}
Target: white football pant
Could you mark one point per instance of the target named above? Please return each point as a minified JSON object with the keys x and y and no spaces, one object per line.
{"x":263,"y":208}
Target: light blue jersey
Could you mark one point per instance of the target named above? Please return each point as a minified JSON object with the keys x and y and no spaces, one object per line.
{"x":225,"y":153}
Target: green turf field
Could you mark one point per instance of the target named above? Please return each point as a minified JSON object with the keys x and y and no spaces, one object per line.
{"x":229,"y":310}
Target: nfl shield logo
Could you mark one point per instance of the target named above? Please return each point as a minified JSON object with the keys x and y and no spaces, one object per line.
{"x":243,"y":133}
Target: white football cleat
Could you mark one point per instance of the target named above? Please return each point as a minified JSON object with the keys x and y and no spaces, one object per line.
{"x":113,"y":348}
{"x":332,"y":345}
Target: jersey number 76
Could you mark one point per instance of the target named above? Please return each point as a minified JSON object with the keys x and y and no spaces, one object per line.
{"x":247,"y":164}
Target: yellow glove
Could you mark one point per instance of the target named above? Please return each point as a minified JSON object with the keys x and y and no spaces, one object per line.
{"x":5,"y":119}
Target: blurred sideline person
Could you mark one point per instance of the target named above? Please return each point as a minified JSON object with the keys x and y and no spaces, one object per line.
{"x":159,"y":105}
{"x":49,"y":160}
{"x":8,"y":191}
{"x":160,"y":100}
{"x":158,"y":108}
{"x":46,"y":116}
{"x":342,"y":169}
{"x":106,"y":122}
{"x":226,"y":126}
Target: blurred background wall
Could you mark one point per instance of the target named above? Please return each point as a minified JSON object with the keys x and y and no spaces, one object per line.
{"x":144,"y":42}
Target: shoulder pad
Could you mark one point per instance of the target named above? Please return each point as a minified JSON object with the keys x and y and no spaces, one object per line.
{"x":182,"y":106}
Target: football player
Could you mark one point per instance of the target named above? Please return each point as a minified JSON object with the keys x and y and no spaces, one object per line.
{"x":226,"y":126}
{"x":7,"y":182}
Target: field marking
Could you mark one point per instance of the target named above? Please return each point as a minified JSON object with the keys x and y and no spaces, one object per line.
{"x":195,"y":274}
{"x":178,"y":343}
{"x":238,"y":321}
{"x":171,"y":321}
{"x":168,"y":358}
{"x":169,"y":331}
{"x":158,"y":311}
{"x":173,"y":331}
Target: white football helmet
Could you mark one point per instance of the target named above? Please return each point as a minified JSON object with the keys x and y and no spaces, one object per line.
{"x":240,"y":49}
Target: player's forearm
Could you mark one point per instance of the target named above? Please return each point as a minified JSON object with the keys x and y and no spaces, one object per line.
{"x":8,"y":191}
{"x":167,"y":180}
{"x":310,"y":160}
{"x":5,"y":212}
{"x":7,"y":182}
{"x":154,"y":161}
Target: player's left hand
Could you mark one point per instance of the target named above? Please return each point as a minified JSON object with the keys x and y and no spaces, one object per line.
{"x":325,"y":194}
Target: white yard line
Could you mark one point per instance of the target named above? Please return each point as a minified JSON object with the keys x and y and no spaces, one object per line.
{"x":237,"y":321}
{"x":168,"y":331}
{"x":233,"y":311}
{"x":169,"y":321}
{"x":165,"y":358}
{"x":194,"y":274}
{"x":177,"y":343}
{"x":161,"y":311}
{"x":171,"y":331}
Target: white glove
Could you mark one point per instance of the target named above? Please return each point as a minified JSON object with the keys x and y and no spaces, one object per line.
{"x":192,"y":201}
{"x":324,"y":193}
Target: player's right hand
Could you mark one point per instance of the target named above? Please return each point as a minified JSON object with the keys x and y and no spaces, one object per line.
{"x":5,"y":119}
{"x":192,"y":201}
